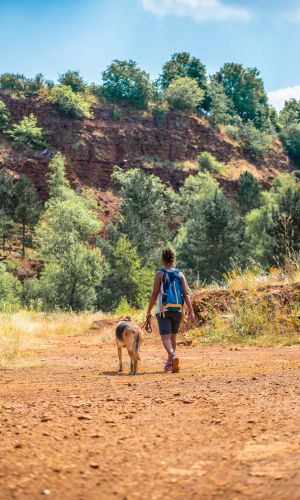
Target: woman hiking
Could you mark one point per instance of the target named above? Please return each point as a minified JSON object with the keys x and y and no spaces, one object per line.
{"x":169,"y":293}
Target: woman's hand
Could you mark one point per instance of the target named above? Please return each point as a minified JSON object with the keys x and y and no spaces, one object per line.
{"x":191,"y":316}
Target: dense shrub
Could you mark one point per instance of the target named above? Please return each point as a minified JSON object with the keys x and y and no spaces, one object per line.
{"x":13,"y":81}
{"x":73,"y":104}
{"x":124,"y":81}
{"x":184,"y":94}
{"x":290,"y":138}
{"x":27,"y":133}
{"x":208,"y":163}
{"x":10,"y":289}
{"x":255,"y":142}
{"x":116,"y":114}
{"x":233,"y":132}
{"x":159,"y":113}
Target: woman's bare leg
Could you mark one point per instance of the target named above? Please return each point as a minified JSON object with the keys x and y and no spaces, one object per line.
{"x":167,"y":343}
{"x":173,"y":340}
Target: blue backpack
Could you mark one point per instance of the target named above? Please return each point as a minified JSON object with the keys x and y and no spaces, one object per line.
{"x":172,"y":294}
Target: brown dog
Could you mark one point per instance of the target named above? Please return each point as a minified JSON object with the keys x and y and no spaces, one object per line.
{"x":129,"y":335}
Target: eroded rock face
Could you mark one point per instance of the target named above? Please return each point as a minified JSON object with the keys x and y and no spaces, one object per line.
{"x":93,"y":147}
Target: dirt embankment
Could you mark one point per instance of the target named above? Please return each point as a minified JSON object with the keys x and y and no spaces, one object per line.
{"x":208,"y":302}
{"x":93,"y":147}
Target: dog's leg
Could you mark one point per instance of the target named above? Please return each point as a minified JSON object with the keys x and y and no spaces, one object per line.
{"x":135,"y":364}
{"x":120,"y":359}
{"x":131,"y":362}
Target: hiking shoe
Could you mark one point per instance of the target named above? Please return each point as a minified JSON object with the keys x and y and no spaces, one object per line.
{"x":175,"y":367}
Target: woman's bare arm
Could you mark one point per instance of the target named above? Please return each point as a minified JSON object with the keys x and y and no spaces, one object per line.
{"x":186,"y":296}
{"x":155,"y":292}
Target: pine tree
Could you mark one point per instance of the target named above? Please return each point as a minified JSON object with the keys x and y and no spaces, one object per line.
{"x":146,"y":205}
{"x":249,"y":193}
{"x":211,"y":239}
{"x":28,"y":207}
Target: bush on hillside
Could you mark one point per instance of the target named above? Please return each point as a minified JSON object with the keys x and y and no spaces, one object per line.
{"x":13,"y":81}
{"x":255,"y":143}
{"x":125,"y":81}
{"x":290,"y":138}
{"x":184,"y":94}
{"x":208,"y":163}
{"x":4,"y":116}
{"x":27,"y":134}
{"x":116,"y":114}
{"x":73,"y":104}
{"x":233,"y":131}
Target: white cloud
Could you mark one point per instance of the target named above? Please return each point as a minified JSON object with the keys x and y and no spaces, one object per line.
{"x":199,"y":10}
{"x":278,"y":97}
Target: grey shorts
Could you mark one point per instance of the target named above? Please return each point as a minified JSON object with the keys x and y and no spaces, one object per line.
{"x":169,"y":323}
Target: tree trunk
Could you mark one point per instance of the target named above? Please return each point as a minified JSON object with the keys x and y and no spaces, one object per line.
{"x":23,"y":239}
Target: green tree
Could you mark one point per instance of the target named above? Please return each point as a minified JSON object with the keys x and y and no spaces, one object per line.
{"x":73,"y":80}
{"x":210,"y":239}
{"x":73,"y":270}
{"x":182,"y":65}
{"x":144,"y":211}
{"x":34,"y":85}
{"x":184,"y":94}
{"x":7,"y":227}
{"x":73,"y":104}
{"x":290,"y":138}
{"x":285,"y":227}
{"x":10,"y":289}
{"x":290,"y":113}
{"x":264,"y":225}
{"x":125,"y":81}
{"x":7,"y":199}
{"x":27,"y":134}
{"x":4,"y":116}
{"x":248,"y":195}
{"x":70,"y":282}
{"x":13,"y":81}
{"x":194,"y":191}
{"x":125,"y":278}
{"x":57,"y":181}
{"x":27,"y":206}
{"x":221,"y":106}
{"x":245,"y":89}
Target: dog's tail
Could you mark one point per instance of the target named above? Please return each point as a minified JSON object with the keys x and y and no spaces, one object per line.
{"x":137,"y":345}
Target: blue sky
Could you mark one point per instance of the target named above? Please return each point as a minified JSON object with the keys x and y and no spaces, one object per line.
{"x":51,"y":36}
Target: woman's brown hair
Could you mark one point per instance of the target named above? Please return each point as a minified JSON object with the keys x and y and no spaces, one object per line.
{"x":168,"y":255}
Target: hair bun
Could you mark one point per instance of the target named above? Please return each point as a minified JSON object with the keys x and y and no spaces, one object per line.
{"x":168,"y":255}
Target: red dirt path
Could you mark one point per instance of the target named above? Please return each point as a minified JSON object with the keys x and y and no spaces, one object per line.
{"x":225,"y":427}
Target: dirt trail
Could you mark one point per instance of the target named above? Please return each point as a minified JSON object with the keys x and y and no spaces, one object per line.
{"x":225,"y":427}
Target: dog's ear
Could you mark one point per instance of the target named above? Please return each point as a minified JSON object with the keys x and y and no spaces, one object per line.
{"x":126,"y":318}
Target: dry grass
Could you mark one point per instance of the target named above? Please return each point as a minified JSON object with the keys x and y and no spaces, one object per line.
{"x":24,"y":332}
{"x":253,"y":318}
